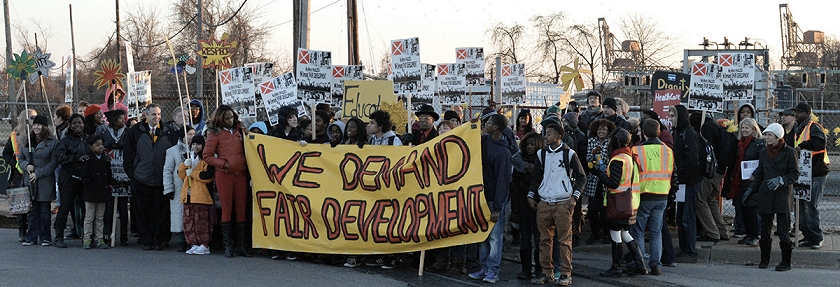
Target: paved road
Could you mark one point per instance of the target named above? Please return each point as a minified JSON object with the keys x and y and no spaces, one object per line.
{"x":131,"y":266}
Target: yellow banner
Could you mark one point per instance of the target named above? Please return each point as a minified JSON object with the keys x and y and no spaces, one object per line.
{"x":373,"y":200}
{"x":361,"y":98}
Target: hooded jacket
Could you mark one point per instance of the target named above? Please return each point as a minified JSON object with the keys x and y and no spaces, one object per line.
{"x":279,"y":131}
{"x":388,"y":138}
{"x":497,"y":171}
{"x":118,"y":105}
{"x":686,"y":149}
{"x":199,"y":123}
{"x":336,"y":141}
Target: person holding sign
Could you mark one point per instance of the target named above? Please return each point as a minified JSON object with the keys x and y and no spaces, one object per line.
{"x":810,"y":136}
{"x":750,"y":146}
{"x":11,"y":152}
{"x":772,"y":187}
{"x":287,"y":126}
{"x":40,"y":170}
{"x":112,"y":140}
{"x":226,"y":152}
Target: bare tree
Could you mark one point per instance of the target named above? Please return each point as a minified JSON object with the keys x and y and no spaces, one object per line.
{"x":581,"y":41}
{"x":508,"y":42}
{"x":655,"y":45}
{"x":550,"y":46}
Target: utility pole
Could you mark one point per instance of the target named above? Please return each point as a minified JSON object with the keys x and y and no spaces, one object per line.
{"x":199,"y":77}
{"x":119,"y":53}
{"x":352,"y":34}
{"x":300,"y":22}
{"x":73,"y":47}
{"x":10,"y":82}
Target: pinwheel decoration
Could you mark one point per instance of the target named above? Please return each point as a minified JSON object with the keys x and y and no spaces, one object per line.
{"x":21,"y":66}
{"x":185,"y":63}
{"x":573,"y":74}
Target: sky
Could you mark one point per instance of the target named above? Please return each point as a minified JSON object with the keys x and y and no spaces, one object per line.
{"x":441,"y":25}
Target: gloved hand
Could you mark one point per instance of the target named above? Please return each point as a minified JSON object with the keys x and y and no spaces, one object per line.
{"x":746,"y":195}
{"x":774,"y":183}
{"x":188,"y":163}
{"x":596,"y":172}
{"x":170,"y":195}
{"x":407,"y":138}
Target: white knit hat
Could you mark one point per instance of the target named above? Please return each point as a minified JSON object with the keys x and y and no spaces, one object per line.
{"x":776,"y":129}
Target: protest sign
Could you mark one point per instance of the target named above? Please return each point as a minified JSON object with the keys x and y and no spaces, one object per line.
{"x":426,"y":94}
{"x":278,"y":92}
{"x":262,"y":73}
{"x":379,"y":200}
{"x":473,"y":60}
{"x":802,"y":187}
{"x":68,"y":81}
{"x":513,"y":84}
{"x":339,"y":75}
{"x":737,"y":75}
{"x":216,"y":53}
{"x":662,"y":100}
{"x":706,"y":87}
{"x":237,"y":85}
{"x":129,"y":57}
{"x":361,"y":98}
{"x":42,"y":65}
{"x":406,"y":68}
{"x":139,"y":93}
{"x":664,"y":80}
{"x":451,"y":84}
{"x":314,"y":75}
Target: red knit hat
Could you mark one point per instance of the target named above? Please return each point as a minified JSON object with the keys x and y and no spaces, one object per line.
{"x":92,"y":109}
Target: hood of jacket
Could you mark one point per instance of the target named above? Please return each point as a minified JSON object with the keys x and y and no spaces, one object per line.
{"x":682,"y":117}
{"x":117,"y":103}
{"x":738,"y":114}
{"x":198,"y":125}
{"x":340,"y":126}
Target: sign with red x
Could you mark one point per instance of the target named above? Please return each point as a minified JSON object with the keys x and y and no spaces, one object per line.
{"x":725,"y":60}
{"x":461,"y":54}
{"x":225,"y":77}
{"x":443,"y":69}
{"x":267,"y":87}
{"x":505,"y":71}
{"x":397,"y":48}
{"x":303,"y":57}
{"x":699,"y":69}
{"x":338,"y":72}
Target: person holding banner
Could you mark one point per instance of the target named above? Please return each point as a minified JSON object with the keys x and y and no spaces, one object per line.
{"x":558,"y":178}
{"x":287,"y":126}
{"x":496,"y":164}
{"x":11,"y":152}
{"x":112,"y":141}
{"x":226,"y":153}
{"x":426,"y":117}
{"x":379,"y":130}
{"x":750,"y":146}
{"x":771,"y":188}
{"x":810,"y":136}
{"x":40,"y":166}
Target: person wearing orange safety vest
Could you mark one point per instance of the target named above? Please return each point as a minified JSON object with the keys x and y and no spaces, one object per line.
{"x":11,"y":152}
{"x":622,"y":176}
{"x":810,"y":136}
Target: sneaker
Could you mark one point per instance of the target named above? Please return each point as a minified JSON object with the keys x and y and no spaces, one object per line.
{"x":738,"y":235}
{"x":743,"y":240}
{"x":60,"y":244}
{"x":100,"y":244}
{"x":27,"y":243}
{"x":478,"y":275}
{"x":669,"y":264}
{"x":45,"y":243}
{"x":390,"y":264}
{"x":656,"y":270}
{"x":804,"y":242}
{"x":817,"y":245}
{"x":525,"y":274}
{"x":685,"y":258}
{"x":352,"y":262}
{"x":707,"y":238}
{"x":376,"y":263}
{"x":86,"y":245}
{"x":542,"y":279}
{"x":564,"y":280}
{"x":752,"y":242}
{"x":191,"y":251}
{"x":291,"y":256}
{"x":201,"y":250}
{"x":491,"y":278}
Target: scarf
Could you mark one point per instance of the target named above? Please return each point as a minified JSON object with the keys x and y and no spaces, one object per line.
{"x":773,"y":150}
{"x":736,"y":175}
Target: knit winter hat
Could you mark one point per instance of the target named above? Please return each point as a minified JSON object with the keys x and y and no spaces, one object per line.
{"x":776,"y":129}
{"x":42,"y":120}
{"x":91,"y":109}
{"x":572,"y":118}
{"x":198,"y":139}
{"x":610,"y":102}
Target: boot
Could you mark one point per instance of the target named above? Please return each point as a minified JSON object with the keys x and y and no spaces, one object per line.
{"x":458,"y":266}
{"x":638,"y":258}
{"x":764,"y":245}
{"x":227,"y":239}
{"x":786,"y":252}
{"x":615,"y":269}
{"x":240,"y":240}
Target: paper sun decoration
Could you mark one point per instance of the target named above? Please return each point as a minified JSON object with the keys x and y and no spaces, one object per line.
{"x":216,"y":53}
{"x":21,"y":66}
{"x":110,"y":72}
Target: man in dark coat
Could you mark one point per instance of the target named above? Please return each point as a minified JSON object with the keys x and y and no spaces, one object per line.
{"x":686,"y":156}
{"x":593,"y":110}
{"x":144,"y":156}
{"x":426,"y":118}
{"x":610,"y":106}
{"x":809,"y":135}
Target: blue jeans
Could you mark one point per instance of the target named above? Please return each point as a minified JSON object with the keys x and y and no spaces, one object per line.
{"x":490,"y":250}
{"x":687,"y":220}
{"x":809,"y":220}
{"x":39,"y":222}
{"x":650,"y":215}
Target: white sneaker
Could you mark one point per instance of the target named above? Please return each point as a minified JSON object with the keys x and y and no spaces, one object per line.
{"x":192,"y":250}
{"x":201,"y":250}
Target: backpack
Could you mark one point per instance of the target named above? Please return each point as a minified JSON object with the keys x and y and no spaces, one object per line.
{"x":708,"y":160}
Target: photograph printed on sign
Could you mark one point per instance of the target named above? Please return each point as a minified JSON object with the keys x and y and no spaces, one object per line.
{"x":277,"y":93}
{"x":473,"y":60}
{"x":513,"y":84}
{"x":706,"y":92}
{"x":407,"y":70}
{"x":340,"y":73}
{"x":451,"y":84}
{"x":737,"y":75}
{"x":426,"y":94}
{"x":237,"y":89}
{"x":139,"y":93}
{"x":262,"y":73}
{"x":314,"y":75}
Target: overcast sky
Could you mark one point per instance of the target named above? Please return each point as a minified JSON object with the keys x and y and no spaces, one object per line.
{"x":442,"y":25}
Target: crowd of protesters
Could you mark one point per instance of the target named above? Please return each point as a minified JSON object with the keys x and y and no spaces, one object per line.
{"x":187,"y":176}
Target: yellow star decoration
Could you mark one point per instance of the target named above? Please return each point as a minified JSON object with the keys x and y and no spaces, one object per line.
{"x":399,"y":116}
{"x":837,"y":131}
{"x":216,"y":53}
{"x":110,"y":71}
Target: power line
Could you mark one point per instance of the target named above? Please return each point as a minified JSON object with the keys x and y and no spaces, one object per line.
{"x":229,"y":18}
{"x":110,"y":38}
{"x":163,"y":42}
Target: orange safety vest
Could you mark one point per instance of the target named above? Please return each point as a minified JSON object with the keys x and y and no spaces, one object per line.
{"x":627,"y":181}
{"x":656,"y":165}
{"x":16,"y":150}
{"x":805,"y":135}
